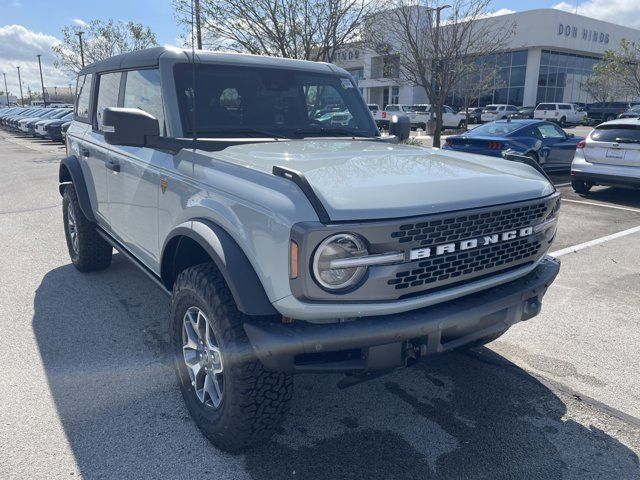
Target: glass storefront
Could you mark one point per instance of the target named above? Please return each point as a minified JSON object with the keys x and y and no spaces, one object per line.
{"x":509,"y":88}
{"x":561,"y":76}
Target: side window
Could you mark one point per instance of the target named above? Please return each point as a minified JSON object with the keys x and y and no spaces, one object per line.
{"x":108,"y":90}
{"x":142,"y":90}
{"x":550,"y":131}
{"x":448,"y":109}
{"x":565,"y":107}
{"x":83,"y":98}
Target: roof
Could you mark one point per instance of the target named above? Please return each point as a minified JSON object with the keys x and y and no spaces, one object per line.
{"x":151,"y":58}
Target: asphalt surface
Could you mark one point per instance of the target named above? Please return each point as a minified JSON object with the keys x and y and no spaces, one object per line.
{"x":87,"y":389}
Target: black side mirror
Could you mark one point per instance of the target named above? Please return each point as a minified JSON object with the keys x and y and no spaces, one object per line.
{"x":400,"y":126}
{"x":128,"y":127}
{"x":571,"y":135}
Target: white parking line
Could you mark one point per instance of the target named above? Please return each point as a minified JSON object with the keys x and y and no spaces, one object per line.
{"x":597,"y":241}
{"x":628,"y":209}
{"x":562,"y":184}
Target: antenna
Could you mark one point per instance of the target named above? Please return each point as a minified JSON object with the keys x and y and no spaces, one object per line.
{"x":193,"y":78}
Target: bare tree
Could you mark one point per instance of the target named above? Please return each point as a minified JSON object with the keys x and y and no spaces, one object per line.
{"x":101,"y":39}
{"x":438,"y":45}
{"x":303,"y":29}
{"x":624,"y":65}
{"x":604,"y":85}
{"x":476,"y":81}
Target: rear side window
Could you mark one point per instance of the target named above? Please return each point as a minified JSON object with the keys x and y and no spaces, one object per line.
{"x":564,"y":107}
{"x":142,"y":90}
{"x":83,"y":98}
{"x":108,"y":91}
{"x":391,"y":108}
{"x":611,"y":133}
{"x":546,"y":106}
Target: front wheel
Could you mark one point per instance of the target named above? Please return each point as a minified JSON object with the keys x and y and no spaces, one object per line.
{"x":581,"y":187}
{"x":233,"y":400}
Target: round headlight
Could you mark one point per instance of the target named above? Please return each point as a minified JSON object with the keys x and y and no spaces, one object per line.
{"x":342,"y":246}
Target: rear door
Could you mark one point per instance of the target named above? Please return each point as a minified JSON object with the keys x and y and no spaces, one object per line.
{"x":614,"y":144}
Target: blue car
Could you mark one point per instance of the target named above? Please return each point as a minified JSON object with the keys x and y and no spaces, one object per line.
{"x":544,"y":142}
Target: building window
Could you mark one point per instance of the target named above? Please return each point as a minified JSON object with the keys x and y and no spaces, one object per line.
{"x":561,"y":76}
{"x":395,"y":95}
{"x":387,"y":66}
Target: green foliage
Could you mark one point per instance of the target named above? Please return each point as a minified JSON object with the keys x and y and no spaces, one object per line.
{"x":101,"y":39}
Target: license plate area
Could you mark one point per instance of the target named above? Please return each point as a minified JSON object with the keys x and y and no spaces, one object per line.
{"x":615,"y":153}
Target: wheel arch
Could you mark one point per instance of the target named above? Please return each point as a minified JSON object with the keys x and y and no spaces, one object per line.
{"x":70,"y":172}
{"x":200,"y":240}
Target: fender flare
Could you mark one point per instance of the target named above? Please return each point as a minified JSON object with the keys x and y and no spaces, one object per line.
{"x":241,"y":278}
{"x":70,"y":172}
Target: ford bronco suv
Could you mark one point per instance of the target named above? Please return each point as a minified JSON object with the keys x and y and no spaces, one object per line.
{"x":288,"y":244}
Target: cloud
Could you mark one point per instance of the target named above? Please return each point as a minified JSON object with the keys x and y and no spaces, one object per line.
{"x":79,"y":22}
{"x":19,"y":47}
{"x":502,"y":11}
{"x":622,"y":12}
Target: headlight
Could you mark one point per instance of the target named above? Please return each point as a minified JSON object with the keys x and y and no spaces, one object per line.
{"x":342,"y":246}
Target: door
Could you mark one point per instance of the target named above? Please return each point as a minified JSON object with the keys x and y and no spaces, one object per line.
{"x":560,"y":149}
{"x":136,"y":185}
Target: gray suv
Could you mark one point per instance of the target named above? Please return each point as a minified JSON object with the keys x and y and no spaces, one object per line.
{"x":291,"y":240}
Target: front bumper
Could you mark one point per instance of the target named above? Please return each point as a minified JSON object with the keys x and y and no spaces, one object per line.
{"x":383,"y":342}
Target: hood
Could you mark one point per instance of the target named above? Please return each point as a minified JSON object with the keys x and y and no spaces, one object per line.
{"x":365,"y":180}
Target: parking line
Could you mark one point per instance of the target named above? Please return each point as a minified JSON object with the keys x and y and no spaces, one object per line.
{"x":562,"y":184}
{"x":597,"y":241}
{"x":628,"y":209}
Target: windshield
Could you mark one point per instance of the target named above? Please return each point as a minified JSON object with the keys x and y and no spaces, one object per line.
{"x":233,"y":101}
{"x":494,"y":129}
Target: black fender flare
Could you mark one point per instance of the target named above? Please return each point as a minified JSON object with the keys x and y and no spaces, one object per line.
{"x":69,"y":172}
{"x":232,"y":262}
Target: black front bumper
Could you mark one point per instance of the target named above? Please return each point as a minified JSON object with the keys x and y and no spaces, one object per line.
{"x":377,"y":343}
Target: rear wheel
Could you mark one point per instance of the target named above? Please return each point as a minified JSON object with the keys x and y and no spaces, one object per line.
{"x":581,"y":187}
{"x":233,"y":400}
{"x":462,"y":124}
{"x":562,"y":122}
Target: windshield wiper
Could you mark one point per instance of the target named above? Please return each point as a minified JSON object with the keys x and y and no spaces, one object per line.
{"x":328,"y":132}
{"x":627,"y":140}
{"x":240,"y":131}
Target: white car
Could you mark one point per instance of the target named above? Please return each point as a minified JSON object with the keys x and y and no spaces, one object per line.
{"x":561,"y":113}
{"x":450,"y":119}
{"x":498,"y":111}
{"x":610,"y":155}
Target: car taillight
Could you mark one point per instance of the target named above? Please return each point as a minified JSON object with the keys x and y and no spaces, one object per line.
{"x":581,"y":144}
{"x":494,"y":146}
{"x":448,"y":143}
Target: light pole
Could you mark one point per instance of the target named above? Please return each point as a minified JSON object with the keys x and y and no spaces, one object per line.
{"x":6,"y":92}
{"x":20,"y":82}
{"x":79,"y":34}
{"x":44,"y":99}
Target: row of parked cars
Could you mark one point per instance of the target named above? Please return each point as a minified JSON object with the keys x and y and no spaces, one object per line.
{"x":40,"y":122}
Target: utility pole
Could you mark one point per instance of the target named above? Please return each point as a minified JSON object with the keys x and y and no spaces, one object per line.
{"x":198,"y":26}
{"x":44,"y":98}
{"x":6,"y":92}
{"x":20,"y":82}
{"x":79,"y":34}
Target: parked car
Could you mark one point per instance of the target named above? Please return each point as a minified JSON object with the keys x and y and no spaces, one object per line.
{"x":632,"y":112}
{"x":421,"y":113}
{"x":523,"y":113}
{"x":610,"y":155}
{"x":57,"y":113}
{"x":605,"y":112}
{"x":63,"y":131}
{"x":542,"y":141}
{"x":289,"y":245}
{"x":475,"y":114}
{"x":491,"y":113}
{"x":52,"y":128}
{"x":561,"y":113}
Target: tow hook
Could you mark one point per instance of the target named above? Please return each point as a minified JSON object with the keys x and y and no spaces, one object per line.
{"x":532,"y":307}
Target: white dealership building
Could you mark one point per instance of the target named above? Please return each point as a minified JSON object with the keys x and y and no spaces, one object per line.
{"x":546,"y":60}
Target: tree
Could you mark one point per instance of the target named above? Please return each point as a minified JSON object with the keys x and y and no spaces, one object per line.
{"x":624,"y":65}
{"x":477,"y":81}
{"x":303,"y":29}
{"x":438,"y":46}
{"x":101,"y":39}
{"x":604,"y":84}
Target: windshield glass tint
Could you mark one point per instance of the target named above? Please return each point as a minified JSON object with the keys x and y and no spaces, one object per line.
{"x":261,"y":101}
{"x":609,"y":133}
{"x":494,"y":129}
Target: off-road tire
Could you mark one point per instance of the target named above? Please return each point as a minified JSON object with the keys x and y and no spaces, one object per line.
{"x":254,"y":401}
{"x":91,"y":253}
{"x":581,"y":187}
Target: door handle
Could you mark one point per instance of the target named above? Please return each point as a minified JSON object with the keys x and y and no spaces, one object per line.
{"x":113,"y":165}
{"x":84,"y":152}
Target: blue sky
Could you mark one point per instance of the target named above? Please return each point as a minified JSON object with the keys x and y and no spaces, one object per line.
{"x":29,"y":27}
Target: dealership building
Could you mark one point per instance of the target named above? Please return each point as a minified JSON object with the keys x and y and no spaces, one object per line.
{"x":547,"y":58}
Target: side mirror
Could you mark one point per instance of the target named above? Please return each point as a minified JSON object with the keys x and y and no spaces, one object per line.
{"x":400,"y":126}
{"x":128,"y":127}
{"x":571,"y":135}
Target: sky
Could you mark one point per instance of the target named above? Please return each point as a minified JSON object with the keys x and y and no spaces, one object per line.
{"x":31,"y":27}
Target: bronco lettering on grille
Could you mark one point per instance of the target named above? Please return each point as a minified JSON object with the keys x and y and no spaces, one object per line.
{"x":419,"y":253}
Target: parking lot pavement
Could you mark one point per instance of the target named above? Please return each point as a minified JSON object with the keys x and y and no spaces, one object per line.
{"x":87,"y":389}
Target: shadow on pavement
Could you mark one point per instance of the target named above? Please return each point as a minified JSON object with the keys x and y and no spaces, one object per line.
{"x":103,"y":342}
